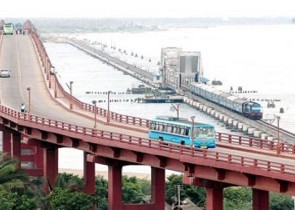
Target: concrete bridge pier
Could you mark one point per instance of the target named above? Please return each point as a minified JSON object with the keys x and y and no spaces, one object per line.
{"x":89,"y":176}
{"x":6,"y":140}
{"x":214,"y":198}
{"x":260,"y":199}
{"x":115,"y":190}
{"x":50,"y":169}
{"x":16,"y":146}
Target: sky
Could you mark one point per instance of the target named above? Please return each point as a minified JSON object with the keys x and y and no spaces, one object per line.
{"x":146,"y":8}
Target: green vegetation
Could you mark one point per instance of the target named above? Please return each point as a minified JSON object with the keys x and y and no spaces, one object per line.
{"x":20,"y":192}
{"x":196,"y":194}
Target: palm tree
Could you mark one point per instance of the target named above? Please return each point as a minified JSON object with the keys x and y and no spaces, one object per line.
{"x":11,"y":175}
{"x":14,"y":180}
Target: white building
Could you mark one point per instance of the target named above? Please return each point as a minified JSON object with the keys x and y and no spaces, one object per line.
{"x":180,"y":66}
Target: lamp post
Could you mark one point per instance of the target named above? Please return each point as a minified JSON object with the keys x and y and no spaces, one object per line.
{"x":29,"y":94}
{"x":278,"y":129}
{"x":95,"y":110}
{"x":176,"y":108}
{"x":193,"y":130}
{"x":179,"y":187}
{"x":71,"y":93}
{"x":108,"y":116}
{"x":55,"y":85}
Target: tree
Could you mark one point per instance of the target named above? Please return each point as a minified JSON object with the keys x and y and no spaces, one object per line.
{"x":11,"y":175}
{"x":132,"y":191}
{"x":237,"y":198}
{"x":196,"y":194}
{"x":66,"y":199}
{"x":101,"y":193}
{"x":281,"y":202}
{"x":69,"y":181}
{"x":17,"y":190}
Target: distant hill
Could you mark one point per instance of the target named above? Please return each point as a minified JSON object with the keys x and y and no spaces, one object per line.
{"x":76,"y":25}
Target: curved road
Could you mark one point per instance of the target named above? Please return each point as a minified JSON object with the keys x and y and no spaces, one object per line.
{"x":18,"y":55}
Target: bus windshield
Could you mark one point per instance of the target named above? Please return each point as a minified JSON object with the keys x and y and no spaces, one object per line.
{"x":204,"y":132}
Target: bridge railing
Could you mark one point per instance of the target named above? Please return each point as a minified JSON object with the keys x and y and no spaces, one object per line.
{"x":252,"y":142}
{"x":45,"y":61}
{"x":183,"y":153}
{"x":232,"y":139}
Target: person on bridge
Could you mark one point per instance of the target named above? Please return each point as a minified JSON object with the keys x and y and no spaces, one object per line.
{"x":22,"y":108}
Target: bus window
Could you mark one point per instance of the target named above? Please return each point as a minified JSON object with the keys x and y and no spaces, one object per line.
{"x":186,"y":131}
{"x":182,"y":131}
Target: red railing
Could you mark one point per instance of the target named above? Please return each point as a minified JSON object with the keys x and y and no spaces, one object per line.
{"x":180,"y":151}
{"x":87,"y":107}
{"x":171,"y":148}
{"x":254,"y":142}
{"x":232,"y":139}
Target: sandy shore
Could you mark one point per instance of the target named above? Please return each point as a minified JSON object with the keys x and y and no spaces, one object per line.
{"x":104,"y":174}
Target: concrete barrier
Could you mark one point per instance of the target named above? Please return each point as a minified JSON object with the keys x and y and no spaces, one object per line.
{"x":263,"y":136}
{"x":216,"y":115}
{"x":270,"y":138}
{"x":240,"y":125}
{"x":235,"y":123}
{"x":257,"y":133}
{"x":245,"y":128}
{"x":230,"y":121}
{"x":225,"y":119}
{"x":251,"y":131}
{"x":221,"y":116}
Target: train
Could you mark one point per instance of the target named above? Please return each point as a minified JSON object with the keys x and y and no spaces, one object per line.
{"x":242,"y":106}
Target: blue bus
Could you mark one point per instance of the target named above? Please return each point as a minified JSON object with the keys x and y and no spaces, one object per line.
{"x":182,"y":131}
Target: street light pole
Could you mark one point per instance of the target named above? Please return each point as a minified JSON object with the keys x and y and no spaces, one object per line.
{"x":176,"y":108}
{"x":29,"y":93}
{"x":193,"y":130}
{"x":71,"y":93}
{"x":178,"y":195}
{"x":55,"y":85}
{"x":108,"y":116}
{"x":278,"y":129}
{"x":95,"y":110}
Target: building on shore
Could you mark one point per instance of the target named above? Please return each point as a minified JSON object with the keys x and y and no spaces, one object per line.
{"x":179,"y":66}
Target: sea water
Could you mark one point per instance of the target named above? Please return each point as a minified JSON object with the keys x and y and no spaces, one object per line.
{"x":255,"y":57}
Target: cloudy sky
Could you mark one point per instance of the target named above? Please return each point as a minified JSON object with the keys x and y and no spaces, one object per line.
{"x":146,"y":8}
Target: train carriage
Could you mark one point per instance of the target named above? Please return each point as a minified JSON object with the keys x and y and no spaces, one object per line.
{"x":242,"y":106}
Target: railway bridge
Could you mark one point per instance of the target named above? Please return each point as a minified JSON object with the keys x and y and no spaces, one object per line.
{"x":56,"y":119}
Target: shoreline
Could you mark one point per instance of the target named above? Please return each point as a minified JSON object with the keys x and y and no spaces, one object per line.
{"x":104,"y":174}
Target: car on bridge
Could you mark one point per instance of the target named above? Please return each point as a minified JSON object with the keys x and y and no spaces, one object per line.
{"x":4,"y":73}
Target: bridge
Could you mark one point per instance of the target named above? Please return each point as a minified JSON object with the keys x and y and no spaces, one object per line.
{"x":56,"y":119}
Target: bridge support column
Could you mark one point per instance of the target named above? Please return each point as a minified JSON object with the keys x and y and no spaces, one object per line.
{"x":39,"y":157}
{"x":89,"y":176}
{"x":6,"y":142}
{"x":115,"y":187}
{"x":260,"y":199}
{"x":214,"y":198}
{"x":158,"y":188}
{"x":16,"y":146}
{"x":50,"y":165}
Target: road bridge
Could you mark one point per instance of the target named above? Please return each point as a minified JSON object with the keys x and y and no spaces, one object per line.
{"x":56,"y":119}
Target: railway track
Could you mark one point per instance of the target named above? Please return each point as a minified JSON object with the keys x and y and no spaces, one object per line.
{"x":284,"y":135}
